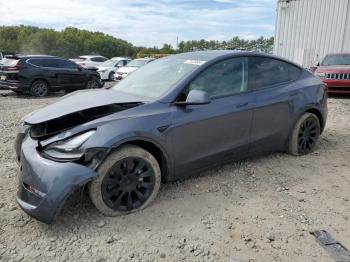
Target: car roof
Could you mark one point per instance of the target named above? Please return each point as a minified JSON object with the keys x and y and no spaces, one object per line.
{"x":211,"y":54}
{"x":119,"y":58}
{"x":31,"y":56}
{"x":217,"y":54}
{"x":145,"y":58}
{"x":90,"y":56}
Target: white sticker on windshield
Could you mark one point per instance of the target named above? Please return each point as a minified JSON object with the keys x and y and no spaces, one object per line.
{"x":195,"y":62}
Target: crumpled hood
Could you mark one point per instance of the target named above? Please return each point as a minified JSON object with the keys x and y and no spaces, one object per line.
{"x":79,"y":101}
{"x":127,"y":69}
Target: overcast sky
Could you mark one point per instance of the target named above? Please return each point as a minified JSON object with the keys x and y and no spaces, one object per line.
{"x":148,"y":22}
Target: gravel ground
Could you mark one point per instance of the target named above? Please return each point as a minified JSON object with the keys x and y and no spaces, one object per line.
{"x":258,"y":210}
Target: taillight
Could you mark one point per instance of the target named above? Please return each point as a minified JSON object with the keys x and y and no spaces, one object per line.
{"x":16,"y":67}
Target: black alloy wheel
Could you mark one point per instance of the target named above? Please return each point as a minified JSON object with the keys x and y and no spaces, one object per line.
{"x":92,"y":84}
{"x":128,"y":185}
{"x":308,"y":135}
{"x":39,"y":88}
{"x":128,"y":180}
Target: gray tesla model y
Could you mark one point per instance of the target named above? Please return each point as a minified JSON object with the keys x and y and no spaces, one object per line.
{"x":171,"y":118}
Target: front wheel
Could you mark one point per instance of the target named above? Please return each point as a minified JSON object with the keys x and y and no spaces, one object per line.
{"x":111,"y":76}
{"x":93,"y":83}
{"x":128,"y":181}
{"x":305,"y":135}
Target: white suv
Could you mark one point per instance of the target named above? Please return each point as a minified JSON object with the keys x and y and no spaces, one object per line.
{"x":90,"y":60}
{"x":108,"y":69}
{"x":131,"y":67}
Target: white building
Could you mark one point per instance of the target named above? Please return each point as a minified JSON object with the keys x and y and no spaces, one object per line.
{"x":307,"y":30}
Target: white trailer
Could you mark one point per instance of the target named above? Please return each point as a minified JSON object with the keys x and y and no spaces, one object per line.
{"x":308,"y":30}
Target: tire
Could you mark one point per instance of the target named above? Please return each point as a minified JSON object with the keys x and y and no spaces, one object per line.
{"x":93,"y":83}
{"x":119,"y":179}
{"x":39,"y":88}
{"x":305,"y":135}
{"x":111,"y":76}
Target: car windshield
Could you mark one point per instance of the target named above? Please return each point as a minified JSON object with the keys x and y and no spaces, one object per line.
{"x":336,"y":60}
{"x":137,"y":63}
{"x":156,"y":78}
{"x":109,"y":63}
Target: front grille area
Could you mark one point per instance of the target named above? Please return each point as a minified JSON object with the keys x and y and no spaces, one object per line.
{"x":338,"y":76}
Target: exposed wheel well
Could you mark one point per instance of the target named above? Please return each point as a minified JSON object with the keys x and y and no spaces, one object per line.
{"x":156,"y":152}
{"x":319,"y":116}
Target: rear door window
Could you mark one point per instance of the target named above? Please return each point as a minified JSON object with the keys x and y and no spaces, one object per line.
{"x":269,"y":72}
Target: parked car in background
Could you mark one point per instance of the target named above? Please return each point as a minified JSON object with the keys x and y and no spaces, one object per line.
{"x":39,"y":75}
{"x":90,"y":60}
{"x":131,"y":67}
{"x":335,"y":72}
{"x":108,"y":68}
{"x":3,"y":56}
{"x":173,"y":118}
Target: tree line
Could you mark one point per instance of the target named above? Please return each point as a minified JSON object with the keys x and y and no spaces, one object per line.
{"x":72,"y":42}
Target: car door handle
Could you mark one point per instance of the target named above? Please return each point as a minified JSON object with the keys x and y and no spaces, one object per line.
{"x":242,"y":105}
{"x":295,"y":93}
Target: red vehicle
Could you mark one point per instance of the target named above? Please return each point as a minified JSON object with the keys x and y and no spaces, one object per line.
{"x":335,"y":72}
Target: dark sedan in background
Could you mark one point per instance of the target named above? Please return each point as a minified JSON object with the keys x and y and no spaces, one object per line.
{"x":171,"y":118}
{"x":39,"y":75}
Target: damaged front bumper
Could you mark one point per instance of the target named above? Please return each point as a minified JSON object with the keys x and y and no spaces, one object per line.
{"x":44,"y":185}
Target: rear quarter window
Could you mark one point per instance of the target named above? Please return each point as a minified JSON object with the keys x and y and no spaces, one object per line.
{"x":36,"y":62}
{"x":66,"y":64}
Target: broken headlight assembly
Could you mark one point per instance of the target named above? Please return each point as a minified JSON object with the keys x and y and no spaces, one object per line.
{"x":68,"y":149}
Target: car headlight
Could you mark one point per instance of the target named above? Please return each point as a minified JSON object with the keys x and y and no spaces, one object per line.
{"x":68,"y":149}
{"x":22,"y":127}
{"x":321,"y":75}
{"x":102,"y":71}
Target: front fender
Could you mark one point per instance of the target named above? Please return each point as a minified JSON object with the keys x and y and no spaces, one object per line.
{"x":44,"y":185}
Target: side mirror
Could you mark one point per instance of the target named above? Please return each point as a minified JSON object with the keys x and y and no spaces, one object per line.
{"x":318,"y":64}
{"x":195,"y":97}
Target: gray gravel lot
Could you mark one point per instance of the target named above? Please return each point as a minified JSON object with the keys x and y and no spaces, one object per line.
{"x":257,"y":210}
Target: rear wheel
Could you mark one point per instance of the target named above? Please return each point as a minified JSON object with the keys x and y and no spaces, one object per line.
{"x":39,"y":88}
{"x":305,"y":135}
{"x":129,"y":180}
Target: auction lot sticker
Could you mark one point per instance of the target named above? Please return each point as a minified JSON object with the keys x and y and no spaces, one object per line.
{"x":195,"y":62}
